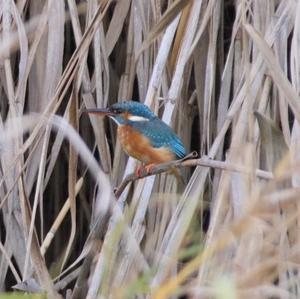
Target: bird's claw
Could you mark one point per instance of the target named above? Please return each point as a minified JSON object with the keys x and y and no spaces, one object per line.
{"x":149,"y":168}
{"x":141,"y":168}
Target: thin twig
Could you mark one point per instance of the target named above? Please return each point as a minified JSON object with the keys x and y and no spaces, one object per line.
{"x":187,"y":161}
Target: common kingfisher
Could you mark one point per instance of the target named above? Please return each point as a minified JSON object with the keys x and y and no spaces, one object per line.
{"x":143,"y":135}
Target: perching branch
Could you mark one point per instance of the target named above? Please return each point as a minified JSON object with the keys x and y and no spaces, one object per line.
{"x":190,"y":161}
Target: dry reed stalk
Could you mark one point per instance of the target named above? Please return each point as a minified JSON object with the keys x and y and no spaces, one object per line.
{"x":224,"y":74}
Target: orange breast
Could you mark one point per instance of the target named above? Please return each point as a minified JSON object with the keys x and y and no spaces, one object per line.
{"x":139,"y":147}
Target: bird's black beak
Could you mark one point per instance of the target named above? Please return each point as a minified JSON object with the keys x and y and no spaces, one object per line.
{"x":99,"y":111}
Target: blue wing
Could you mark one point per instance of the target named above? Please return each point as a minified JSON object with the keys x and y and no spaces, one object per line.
{"x":160,"y":135}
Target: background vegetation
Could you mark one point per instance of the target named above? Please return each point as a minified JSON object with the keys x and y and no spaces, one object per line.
{"x":224,"y":74}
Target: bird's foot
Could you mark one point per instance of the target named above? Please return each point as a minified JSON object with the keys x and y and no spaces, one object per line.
{"x":149,"y":167}
{"x":139,"y":170}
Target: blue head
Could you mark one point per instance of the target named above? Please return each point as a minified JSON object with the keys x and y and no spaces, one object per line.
{"x":126,"y":112}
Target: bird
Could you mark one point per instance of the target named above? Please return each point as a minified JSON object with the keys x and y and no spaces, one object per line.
{"x":143,"y":135}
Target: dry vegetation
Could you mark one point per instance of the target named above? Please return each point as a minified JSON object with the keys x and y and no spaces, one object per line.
{"x":224,"y":74}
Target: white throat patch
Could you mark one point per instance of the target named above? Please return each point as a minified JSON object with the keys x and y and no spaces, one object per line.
{"x":137,"y":118}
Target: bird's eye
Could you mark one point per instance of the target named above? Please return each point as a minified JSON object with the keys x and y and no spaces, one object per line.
{"x":116,"y":111}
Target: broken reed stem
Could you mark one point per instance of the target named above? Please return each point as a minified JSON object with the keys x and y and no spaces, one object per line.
{"x":61,"y":216}
{"x":190,"y":161}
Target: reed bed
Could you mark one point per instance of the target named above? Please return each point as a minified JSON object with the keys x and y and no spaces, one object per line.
{"x":224,"y":74}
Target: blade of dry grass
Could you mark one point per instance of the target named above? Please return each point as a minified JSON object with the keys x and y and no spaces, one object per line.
{"x":276,"y":72}
{"x":35,"y":204}
{"x":60,"y":217}
{"x":116,"y":24}
{"x":73,"y":161}
{"x":166,"y":19}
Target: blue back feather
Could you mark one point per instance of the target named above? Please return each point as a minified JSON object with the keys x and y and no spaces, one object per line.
{"x":160,"y":135}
